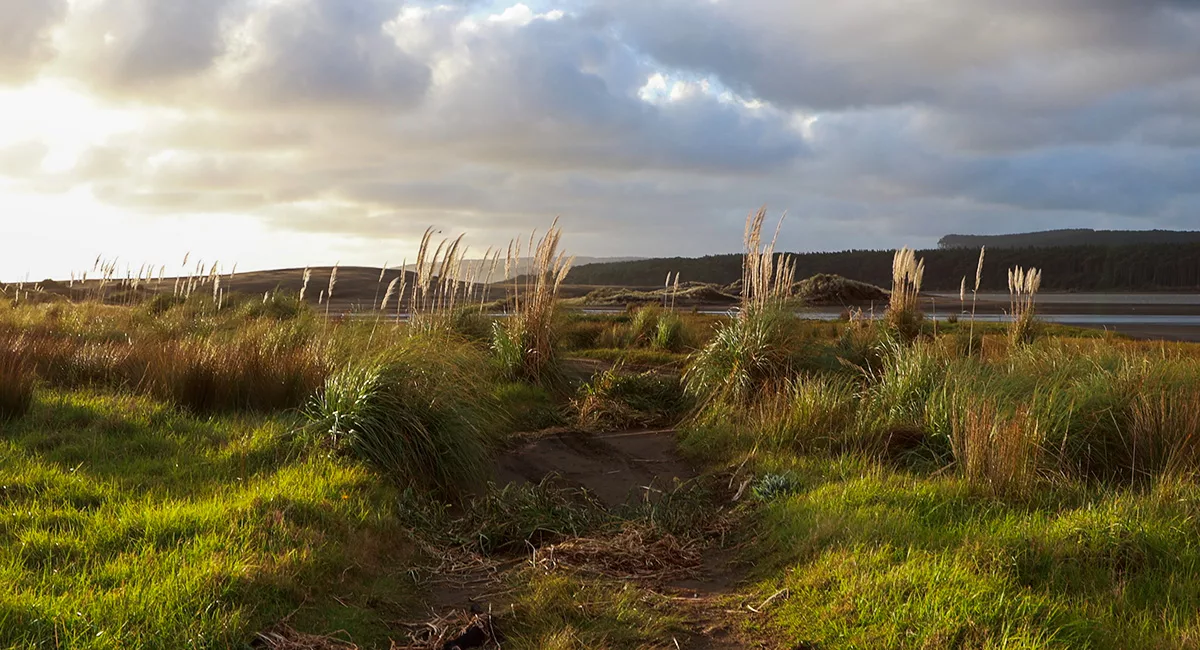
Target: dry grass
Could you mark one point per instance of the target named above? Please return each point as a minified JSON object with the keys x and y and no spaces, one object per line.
{"x":998,"y":450}
{"x":635,"y":553}
{"x":284,"y":637}
{"x":1164,"y":432}
{"x":16,"y":380}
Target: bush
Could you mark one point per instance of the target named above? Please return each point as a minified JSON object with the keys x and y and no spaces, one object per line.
{"x":745,"y":353}
{"x":419,"y":415}
{"x":670,"y":333}
{"x":529,"y":408}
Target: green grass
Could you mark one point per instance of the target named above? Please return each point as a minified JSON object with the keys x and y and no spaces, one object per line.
{"x":125,"y":523}
{"x":872,"y":557}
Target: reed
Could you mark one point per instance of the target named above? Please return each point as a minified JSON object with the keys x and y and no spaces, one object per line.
{"x":996,"y":450}
{"x":974,"y":298}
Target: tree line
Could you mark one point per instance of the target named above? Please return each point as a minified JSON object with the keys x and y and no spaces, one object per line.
{"x":1151,"y":267}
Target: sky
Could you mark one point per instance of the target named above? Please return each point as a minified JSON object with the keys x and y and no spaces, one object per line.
{"x":273,"y":133}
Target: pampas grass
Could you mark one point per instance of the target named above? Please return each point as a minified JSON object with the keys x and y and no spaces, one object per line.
{"x":904,"y":306}
{"x":1023,"y":285}
{"x":525,"y":340}
{"x":767,"y":279}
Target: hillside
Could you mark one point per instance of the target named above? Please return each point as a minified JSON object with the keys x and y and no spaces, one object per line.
{"x":1156,"y":267}
{"x":1072,"y":237}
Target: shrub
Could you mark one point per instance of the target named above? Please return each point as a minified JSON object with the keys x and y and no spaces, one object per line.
{"x":419,"y":415}
{"x":529,"y":408}
{"x":670,"y":333}
{"x":745,"y":353}
{"x":643,"y":326}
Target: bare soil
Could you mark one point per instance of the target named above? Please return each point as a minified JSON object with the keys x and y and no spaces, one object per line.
{"x":614,"y":467}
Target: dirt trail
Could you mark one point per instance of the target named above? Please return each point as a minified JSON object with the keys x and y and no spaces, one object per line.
{"x":616,"y":467}
{"x":613,"y":466}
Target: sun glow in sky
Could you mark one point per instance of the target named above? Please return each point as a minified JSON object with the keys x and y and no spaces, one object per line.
{"x":290,"y":132}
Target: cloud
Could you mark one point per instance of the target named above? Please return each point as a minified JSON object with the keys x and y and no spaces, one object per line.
{"x":24,"y":38}
{"x":650,"y":127}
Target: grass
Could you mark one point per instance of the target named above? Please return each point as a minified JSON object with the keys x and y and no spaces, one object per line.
{"x":201,"y":467}
{"x":880,"y":558}
{"x":127,"y":523}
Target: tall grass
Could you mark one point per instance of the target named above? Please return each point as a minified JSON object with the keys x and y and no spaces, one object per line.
{"x":525,"y":341}
{"x":997,"y":450}
{"x":745,"y":354}
{"x":1023,"y":285}
{"x":16,"y":380}
{"x":904,"y":306}
{"x":753,"y":347}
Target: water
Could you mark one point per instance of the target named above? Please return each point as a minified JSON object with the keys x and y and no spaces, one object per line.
{"x":1091,"y":299}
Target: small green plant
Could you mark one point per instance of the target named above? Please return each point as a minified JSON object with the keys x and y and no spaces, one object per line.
{"x":770,"y":487}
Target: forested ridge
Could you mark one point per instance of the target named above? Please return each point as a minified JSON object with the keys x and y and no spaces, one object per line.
{"x":1072,"y":237}
{"x":1152,"y":267}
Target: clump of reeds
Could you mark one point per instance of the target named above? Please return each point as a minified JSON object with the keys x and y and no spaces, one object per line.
{"x":997,"y":450}
{"x":1023,"y":285}
{"x":524,"y":342}
{"x":904,"y":306}
{"x":1164,"y":434}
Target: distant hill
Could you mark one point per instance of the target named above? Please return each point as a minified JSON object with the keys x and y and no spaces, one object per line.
{"x":1150,"y":267}
{"x":1072,"y":237}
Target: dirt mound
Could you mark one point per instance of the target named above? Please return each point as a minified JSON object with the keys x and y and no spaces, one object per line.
{"x":826,"y":289}
{"x":614,"y":467}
